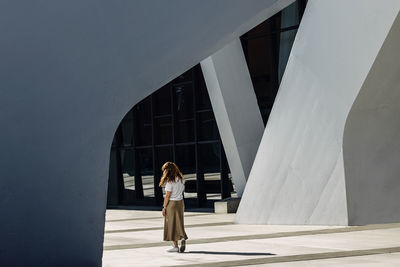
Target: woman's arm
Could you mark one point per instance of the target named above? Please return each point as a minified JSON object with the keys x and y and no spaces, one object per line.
{"x":166,"y":200}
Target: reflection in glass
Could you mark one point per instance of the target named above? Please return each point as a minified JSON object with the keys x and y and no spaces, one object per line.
{"x":128,"y":172}
{"x":184,"y":101}
{"x":146,"y":170}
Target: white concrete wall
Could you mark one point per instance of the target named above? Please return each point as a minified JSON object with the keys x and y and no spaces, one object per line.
{"x":235,"y":107}
{"x":298,"y":175}
{"x":371,"y":141}
{"x":69,"y":72}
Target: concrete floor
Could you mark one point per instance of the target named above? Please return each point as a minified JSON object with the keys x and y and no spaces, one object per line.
{"x":134,"y":238}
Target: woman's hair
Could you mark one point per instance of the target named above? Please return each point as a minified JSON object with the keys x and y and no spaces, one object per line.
{"x":170,"y":172}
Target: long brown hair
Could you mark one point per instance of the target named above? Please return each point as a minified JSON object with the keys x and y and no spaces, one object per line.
{"x":170,"y":172}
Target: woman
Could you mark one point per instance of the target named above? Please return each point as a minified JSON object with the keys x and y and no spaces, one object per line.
{"x":173,"y":206}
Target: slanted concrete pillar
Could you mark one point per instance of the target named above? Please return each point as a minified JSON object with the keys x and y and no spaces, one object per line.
{"x":330,"y":151}
{"x":235,"y":107}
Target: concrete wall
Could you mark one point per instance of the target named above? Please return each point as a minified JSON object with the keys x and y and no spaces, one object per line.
{"x":235,"y":107}
{"x":371,"y":141}
{"x":298,"y":176}
{"x":69,"y":72}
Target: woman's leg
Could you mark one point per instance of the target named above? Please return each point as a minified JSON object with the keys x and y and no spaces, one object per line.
{"x":175,"y":243}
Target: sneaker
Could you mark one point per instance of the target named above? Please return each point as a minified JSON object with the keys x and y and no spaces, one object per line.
{"x":183,"y":245}
{"x":173,"y":249}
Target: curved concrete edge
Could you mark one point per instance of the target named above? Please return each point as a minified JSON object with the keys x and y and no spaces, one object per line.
{"x":69,"y":72}
{"x":298,"y":176}
{"x":371,"y":140}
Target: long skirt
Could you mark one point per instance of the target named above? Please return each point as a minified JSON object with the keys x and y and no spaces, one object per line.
{"x":174,"y":228}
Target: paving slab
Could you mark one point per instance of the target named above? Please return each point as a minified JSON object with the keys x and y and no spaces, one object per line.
{"x":134,"y":238}
{"x":381,"y":260}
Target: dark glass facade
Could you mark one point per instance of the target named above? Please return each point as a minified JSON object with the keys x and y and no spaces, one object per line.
{"x":267,"y":48}
{"x":176,"y":123}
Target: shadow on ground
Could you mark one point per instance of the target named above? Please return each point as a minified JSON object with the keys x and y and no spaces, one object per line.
{"x":232,"y":253}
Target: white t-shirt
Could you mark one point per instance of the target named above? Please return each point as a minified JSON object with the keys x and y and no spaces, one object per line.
{"x":176,"y":188}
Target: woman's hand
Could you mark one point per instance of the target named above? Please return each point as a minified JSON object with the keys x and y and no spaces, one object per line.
{"x":166,"y":200}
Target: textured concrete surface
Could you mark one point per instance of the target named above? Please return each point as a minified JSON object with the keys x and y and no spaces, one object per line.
{"x":235,"y":107}
{"x":69,"y":73}
{"x":380,"y":260}
{"x":371,"y":146}
{"x":298,"y":176}
{"x":215,"y":241}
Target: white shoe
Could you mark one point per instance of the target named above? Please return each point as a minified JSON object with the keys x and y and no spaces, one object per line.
{"x":183,"y":245}
{"x":173,"y":249}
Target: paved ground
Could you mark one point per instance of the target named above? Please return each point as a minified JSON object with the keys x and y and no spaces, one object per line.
{"x":134,"y":238}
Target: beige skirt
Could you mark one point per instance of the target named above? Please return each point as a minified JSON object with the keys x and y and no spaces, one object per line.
{"x":174,"y":228}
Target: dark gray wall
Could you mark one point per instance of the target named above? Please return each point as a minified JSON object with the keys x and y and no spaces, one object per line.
{"x":69,"y":72}
{"x":371,"y":140}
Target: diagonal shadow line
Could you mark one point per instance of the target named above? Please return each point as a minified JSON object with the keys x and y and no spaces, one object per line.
{"x":261,"y":236}
{"x":230,"y":253}
{"x":299,"y":257}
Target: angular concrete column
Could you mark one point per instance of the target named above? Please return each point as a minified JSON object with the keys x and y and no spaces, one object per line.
{"x":300,"y":174}
{"x":235,"y":107}
{"x":371,"y":140}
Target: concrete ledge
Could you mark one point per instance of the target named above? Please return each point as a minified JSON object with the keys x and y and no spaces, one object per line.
{"x":227,"y":205}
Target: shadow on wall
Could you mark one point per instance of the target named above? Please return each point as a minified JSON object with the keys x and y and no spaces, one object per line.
{"x":371,"y":141}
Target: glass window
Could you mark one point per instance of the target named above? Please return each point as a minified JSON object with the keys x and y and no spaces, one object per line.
{"x":210,"y":157}
{"x":185,"y":131}
{"x":162,"y":101}
{"x":144,"y":123}
{"x":146,"y":170}
{"x":183,"y":101}
{"x":202,"y":97}
{"x":286,"y":43}
{"x":164,"y":154}
{"x":262,"y":46}
{"x":127,"y":129}
{"x":163,"y":130}
{"x":127,"y":161}
{"x":185,"y":158}
{"x":208,"y":129}
{"x":267,"y":48}
{"x":145,"y":160}
{"x":128,"y":172}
